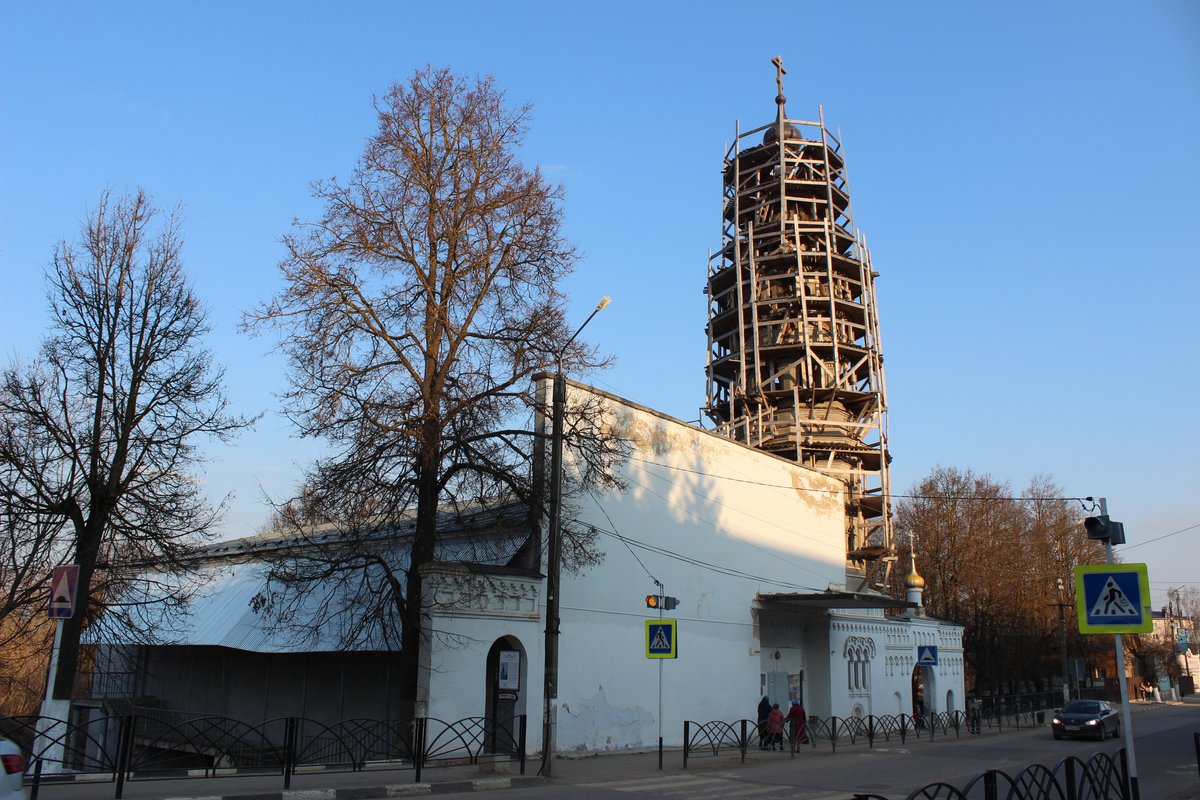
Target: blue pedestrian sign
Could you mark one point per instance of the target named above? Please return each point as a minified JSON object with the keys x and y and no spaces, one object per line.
{"x":661,"y":639}
{"x":63,"y":584}
{"x":927,"y":655}
{"x":1113,"y":598}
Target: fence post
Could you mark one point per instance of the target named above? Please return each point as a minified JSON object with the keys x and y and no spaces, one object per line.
{"x":744,"y":744}
{"x":871,"y":731}
{"x":1126,"y":791}
{"x":687,"y":740}
{"x":524,"y":720}
{"x":833,"y":732}
{"x":419,"y":747}
{"x":289,"y":751}
{"x":989,"y":785}
{"x":1072,"y":789}
{"x":37,"y":780}
{"x":124,"y":745}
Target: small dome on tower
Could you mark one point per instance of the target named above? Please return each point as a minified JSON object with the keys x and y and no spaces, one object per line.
{"x":790,"y":133}
{"x":914,"y":581}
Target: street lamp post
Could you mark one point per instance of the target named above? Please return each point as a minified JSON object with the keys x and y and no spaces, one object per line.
{"x":554,"y":549}
{"x":1062,"y":642}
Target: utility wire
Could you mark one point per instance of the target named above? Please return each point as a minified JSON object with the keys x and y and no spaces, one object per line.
{"x":616,"y":533}
{"x":839,"y":491}
{"x":717,"y":527}
{"x":1160,"y":538}
{"x":735,"y":573}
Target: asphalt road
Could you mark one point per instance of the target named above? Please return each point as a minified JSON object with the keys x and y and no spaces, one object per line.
{"x":1163,"y":742}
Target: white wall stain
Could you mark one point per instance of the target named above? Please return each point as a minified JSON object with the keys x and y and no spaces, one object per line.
{"x":592,"y":723}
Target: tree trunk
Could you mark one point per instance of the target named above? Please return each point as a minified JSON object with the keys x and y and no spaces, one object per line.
{"x":86,"y":554}
{"x":413,"y":638}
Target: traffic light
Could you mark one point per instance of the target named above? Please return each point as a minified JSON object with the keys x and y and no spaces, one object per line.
{"x":662,"y":601}
{"x":1104,"y":528}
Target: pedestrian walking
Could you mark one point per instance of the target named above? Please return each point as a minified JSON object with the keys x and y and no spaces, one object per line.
{"x":775,"y":727}
{"x":764,"y":711}
{"x":797,"y":724}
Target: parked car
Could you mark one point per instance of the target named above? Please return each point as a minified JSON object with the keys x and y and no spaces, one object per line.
{"x":1094,"y":719}
{"x":13,"y":762}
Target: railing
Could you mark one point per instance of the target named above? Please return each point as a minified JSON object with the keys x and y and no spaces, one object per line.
{"x":1101,"y":777}
{"x":154,"y":746}
{"x":708,"y":739}
{"x":988,"y":714}
{"x":701,"y":739}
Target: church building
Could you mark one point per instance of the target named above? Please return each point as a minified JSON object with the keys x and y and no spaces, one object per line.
{"x":737,"y":561}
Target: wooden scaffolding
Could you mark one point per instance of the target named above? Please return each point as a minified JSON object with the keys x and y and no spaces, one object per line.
{"x":794,"y":360}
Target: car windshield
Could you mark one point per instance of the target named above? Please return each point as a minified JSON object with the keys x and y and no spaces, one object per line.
{"x":1081,"y":707}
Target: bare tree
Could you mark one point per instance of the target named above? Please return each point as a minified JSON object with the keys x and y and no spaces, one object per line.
{"x":415,"y":312}
{"x":991,"y":563}
{"x":99,"y":433}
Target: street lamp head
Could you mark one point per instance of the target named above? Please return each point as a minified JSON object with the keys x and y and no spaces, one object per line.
{"x":604,"y":303}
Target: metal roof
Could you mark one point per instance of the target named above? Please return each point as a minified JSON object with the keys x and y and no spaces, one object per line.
{"x":832,"y":599}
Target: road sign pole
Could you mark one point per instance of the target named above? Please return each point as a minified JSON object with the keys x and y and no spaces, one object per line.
{"x":1126,"y":722}
{"x":663,"y":589}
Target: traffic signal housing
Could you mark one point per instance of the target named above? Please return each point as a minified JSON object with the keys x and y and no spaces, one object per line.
{"x":665,"y":602}
{"x":1103,"y":528}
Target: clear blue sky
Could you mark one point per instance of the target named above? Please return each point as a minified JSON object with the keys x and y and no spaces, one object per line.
{"x":1025,"y":173}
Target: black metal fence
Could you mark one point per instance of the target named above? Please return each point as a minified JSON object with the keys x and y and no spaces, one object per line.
{"x":1101,"y":777}
{"x":154,"y":745}
{"x":988,"y":714}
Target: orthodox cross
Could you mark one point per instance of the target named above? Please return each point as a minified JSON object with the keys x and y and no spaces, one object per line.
{"x":779,"y":73}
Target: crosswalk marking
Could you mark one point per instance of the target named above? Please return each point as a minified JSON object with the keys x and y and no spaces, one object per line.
{"x":646,"y":782}
{"x":691,"y":787}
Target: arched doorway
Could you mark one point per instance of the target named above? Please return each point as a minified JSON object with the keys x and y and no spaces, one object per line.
{"x":506,"y":692}
{"x":924,"y":692}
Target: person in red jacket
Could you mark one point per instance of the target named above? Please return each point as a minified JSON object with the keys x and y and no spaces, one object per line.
{"x":798,"y":724}
{"x":775,"y":727}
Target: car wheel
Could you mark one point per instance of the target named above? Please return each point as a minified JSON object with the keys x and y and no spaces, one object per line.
{"x":1117,"y":731}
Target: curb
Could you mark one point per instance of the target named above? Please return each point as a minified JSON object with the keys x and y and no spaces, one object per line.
{"x":374,"y":792}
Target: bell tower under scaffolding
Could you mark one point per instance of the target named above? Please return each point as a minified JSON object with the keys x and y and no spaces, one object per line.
{"x":794,"y":360}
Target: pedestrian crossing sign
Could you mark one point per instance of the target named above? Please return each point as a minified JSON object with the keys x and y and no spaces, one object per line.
{"x":63,"y":584}
{"x":1113,"y":598}
{"x":927,"y":655}
{"x":661,"y":641}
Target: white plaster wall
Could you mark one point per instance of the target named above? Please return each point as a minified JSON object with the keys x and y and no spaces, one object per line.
{"x":718,"y":524}
{"x":896,"y":641}
{"x":468,"y":615}
{"x":758,"y":523}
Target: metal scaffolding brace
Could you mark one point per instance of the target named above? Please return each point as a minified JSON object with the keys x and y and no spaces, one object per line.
{"x":794,"y":362}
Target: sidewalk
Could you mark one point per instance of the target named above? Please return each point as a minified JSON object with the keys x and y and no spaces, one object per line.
{"x":369,"y":784}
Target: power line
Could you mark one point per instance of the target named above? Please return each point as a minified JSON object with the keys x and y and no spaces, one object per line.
{"x":713,"y":523}
{"x":839,"y":491}
{"x":596,"y":500}
{"x":722,"y":570}
{"x":1160,"y":538}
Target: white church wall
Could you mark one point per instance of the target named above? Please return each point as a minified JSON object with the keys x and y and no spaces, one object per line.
{"x":891,"y":644}
{"x":715,"y":522}
{"x":469,"y":613}
{"x":718,"y":524}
